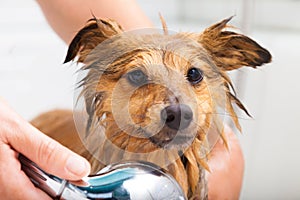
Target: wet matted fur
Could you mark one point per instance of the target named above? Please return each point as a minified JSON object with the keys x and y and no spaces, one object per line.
{"x":146,"y":73}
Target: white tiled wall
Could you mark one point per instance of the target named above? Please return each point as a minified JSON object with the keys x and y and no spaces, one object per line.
{"x":33,"y":79}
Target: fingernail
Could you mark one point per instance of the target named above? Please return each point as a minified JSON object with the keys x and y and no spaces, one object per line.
{"x":77,"y":166}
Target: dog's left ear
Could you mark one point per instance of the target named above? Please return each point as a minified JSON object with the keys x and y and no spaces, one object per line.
{"x":94,"y":32}
{"x":232,"y":50}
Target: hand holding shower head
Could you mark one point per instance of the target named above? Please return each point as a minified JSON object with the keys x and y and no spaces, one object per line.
{"x":130,"y":180}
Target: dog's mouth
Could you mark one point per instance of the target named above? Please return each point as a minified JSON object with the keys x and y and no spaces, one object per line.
{"x":168,"y":138}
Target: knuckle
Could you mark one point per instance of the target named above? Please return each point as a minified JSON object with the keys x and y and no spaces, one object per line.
{"x":47,"y":152}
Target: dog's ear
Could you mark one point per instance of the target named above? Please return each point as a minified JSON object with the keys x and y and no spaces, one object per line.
{"x":95,"y":32}
{"x":232,"y":50}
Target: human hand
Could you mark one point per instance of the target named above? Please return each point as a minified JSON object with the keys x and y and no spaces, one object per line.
{"x":227,"y":169}
{"x":18,"y":136}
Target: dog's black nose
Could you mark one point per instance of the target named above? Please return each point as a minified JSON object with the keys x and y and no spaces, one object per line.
{"x":177,"y":116}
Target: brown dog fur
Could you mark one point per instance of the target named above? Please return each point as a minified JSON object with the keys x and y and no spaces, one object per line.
{"x":218,"y":51}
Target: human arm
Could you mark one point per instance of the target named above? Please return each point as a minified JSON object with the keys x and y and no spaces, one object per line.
{"x":68,"y":16}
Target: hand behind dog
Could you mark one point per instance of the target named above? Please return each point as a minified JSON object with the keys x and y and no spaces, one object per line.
{"x":227,"y":169}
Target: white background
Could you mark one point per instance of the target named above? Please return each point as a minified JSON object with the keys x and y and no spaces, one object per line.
{"x":32,"y":78}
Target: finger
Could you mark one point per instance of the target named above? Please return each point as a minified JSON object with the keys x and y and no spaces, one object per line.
{"x":14,"y":183}
{"x":41,"y":149}
{"x":49,"y":154}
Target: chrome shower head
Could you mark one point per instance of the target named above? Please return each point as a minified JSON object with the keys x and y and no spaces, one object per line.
{"x":130,"y":180}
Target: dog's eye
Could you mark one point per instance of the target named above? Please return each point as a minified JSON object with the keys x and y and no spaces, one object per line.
{"x":137,"y":77}
{"x":194,"y":75}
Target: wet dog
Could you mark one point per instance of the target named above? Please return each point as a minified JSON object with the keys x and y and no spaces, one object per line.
{"x":154,"y":97}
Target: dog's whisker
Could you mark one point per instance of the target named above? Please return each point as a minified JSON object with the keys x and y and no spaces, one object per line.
{"x":224,"y":114}
{"x":199,"y":126}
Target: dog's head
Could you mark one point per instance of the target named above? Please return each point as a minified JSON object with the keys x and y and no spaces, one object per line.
{"x":160,"y":91}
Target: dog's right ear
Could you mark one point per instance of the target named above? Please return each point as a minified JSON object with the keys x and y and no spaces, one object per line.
{"x":95,"y":32}
{"x":232,"y":50}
